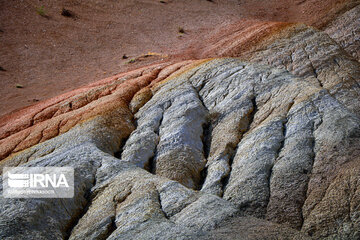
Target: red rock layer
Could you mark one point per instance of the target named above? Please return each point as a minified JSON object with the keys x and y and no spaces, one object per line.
{"x":38,"y":123}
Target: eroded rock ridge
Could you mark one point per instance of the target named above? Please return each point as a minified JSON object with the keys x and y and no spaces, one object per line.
{"x":262,"y":146}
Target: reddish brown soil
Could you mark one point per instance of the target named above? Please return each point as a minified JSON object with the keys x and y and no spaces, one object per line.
{"x":52,"y":54}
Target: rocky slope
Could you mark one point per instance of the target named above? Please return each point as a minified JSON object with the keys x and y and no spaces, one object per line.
{"x":263,"y":146}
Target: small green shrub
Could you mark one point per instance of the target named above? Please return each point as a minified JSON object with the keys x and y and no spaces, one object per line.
{"x":41,"y":11}
{"x":131,"y":60}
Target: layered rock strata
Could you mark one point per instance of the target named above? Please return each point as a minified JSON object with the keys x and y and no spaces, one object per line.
{"x":262,"y":146}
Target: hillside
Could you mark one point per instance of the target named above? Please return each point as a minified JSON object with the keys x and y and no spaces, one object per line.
{"x":244,"y":128}
{"x":52,"y":54}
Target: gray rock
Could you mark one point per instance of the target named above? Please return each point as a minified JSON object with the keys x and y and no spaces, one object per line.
{"x":345,"y":31}
{"x":229,"y":149}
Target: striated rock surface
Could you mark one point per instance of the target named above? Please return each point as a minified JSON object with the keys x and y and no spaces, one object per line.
{"x":345,"y":31}
{"x":264,"y":146}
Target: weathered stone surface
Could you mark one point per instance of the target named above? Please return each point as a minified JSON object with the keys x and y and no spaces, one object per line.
{"x":261,"y":147}
{"x":314,"y":56}
{"x":32,"y":218}
{"x":252,"y":228}
{"x":36,"y":124}
{"x":345,"y":31}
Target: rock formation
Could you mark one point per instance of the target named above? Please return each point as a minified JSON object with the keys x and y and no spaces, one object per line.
{"x":262,"y":146}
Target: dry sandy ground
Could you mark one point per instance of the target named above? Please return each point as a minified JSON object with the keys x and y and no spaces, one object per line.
{"x":49,"y":54}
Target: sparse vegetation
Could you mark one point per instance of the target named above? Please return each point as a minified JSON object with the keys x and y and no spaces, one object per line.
{"x":41,"y":11}
{"x":144,"y":56}
{"x":131,"y":60}
{"x":2,"y":69}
